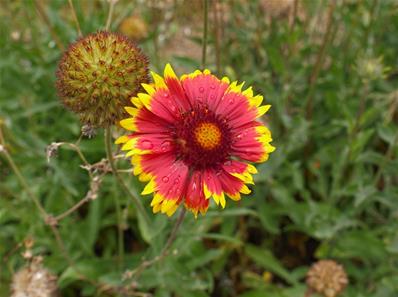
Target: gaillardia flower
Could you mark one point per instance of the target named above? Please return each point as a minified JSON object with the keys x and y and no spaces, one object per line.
{"x":97,"y":76}
{"x":192,"y":138}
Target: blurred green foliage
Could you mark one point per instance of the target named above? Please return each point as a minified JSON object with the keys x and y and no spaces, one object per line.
{"x":329,"y":191}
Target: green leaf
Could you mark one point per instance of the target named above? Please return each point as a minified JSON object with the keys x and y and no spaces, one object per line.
{"x":264,"y":258}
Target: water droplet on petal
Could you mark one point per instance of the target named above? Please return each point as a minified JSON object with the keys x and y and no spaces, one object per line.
{"x":165,"y":179}
{"x":201,"y":89}
{"x":166,"y":95}
{"x":165,"y":146}
{"x":194,"y":186}
{"x":231,"y":101}
{"x":146,"y":144}
{"x":176,"y":181}
{"x":228,"y":163}
{"x":212,"y":87}
{"x":239,"y":136}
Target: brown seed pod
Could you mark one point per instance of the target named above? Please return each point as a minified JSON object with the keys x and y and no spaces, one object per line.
{"x":98,"y":74}
{"x":327,"y":278}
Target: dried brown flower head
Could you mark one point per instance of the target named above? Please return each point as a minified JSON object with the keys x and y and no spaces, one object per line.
{"x":327,"y":278}
{"x":98,"y":74}
{"x":34,"y":281}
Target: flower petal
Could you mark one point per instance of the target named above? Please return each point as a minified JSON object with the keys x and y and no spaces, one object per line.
{"x":252,"y":143}
{"x":204,"y":88}
{"x":195,"y":199}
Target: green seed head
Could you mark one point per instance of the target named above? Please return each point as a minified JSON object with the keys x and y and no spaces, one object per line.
{"x":98,"y":74}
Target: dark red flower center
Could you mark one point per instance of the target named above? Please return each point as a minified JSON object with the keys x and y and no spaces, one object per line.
{"x":202,"y":138}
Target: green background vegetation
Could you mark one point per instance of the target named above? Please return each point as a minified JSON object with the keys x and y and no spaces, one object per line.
{"x":328,"y":191}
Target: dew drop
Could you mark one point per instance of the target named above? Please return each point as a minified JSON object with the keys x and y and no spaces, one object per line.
{"x":239,"y":136}
{"x":201,"y":89}
{"x":231,"y":101}
{"x":146,"y":144}
{"x":165,"y":146}
{"x":165,"y":179}
{"x":212,"y":87}
{"x":228,"y":163}
{"x":212,"y":97}
{"x":166,"y":95}
{"x":176,"y":181}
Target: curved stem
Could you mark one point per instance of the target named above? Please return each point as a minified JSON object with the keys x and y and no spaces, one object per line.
{"x":72,"y":209}
{"x":76,"y":148}
{"x":173,"y":234}
{"x":204,"y":41}
{"x":20,"y":177}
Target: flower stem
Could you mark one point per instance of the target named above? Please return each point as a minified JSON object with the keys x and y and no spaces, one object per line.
{"x":137,"y":202}
{"x":120,"y":237}
{"x":41,"y":12}
{"x":173,"y":234}
{"x":387,"y":157}
{"x":204,"y":40}
{"x":217,"y":34}
{"x":75,"y":19}
{"x":20,"y":177}
{"x":319,"y":61}
{"x":110,"y":14}
{"x":47,"y":219}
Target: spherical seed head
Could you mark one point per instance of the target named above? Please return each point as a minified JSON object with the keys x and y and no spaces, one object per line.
{"x":34,"y":281}
{"x":327,"y":278}
{"x":98,"y":74}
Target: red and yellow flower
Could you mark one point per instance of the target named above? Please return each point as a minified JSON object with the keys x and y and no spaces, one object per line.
{"x":192,"y":138}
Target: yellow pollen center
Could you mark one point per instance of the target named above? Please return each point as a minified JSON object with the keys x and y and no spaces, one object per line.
{"x":208,"y":135}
